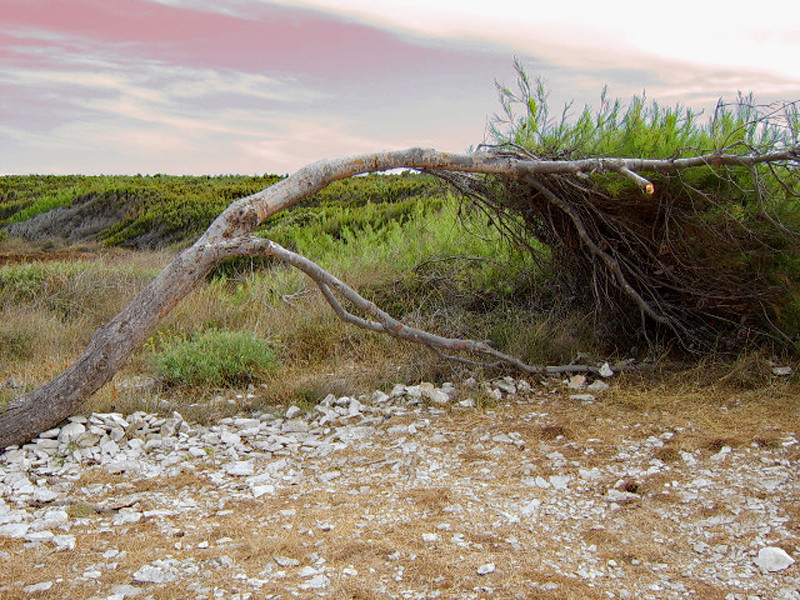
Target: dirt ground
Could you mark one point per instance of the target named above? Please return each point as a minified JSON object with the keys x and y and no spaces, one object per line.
{"x":656,"y":493}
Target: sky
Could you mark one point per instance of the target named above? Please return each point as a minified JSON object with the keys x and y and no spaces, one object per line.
{"x":256,"y":86}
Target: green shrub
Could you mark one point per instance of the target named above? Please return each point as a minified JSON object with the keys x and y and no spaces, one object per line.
{"x":214,"y":357}
{"x":704,"y":262}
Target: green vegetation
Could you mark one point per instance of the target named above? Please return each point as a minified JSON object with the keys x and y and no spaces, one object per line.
{"x":215,"y":358}
{"x":161,"y":210}
{"x":713,"y":252}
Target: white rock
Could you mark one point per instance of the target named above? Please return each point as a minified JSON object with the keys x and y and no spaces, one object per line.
{"x":41,"y":494}
{"x":592,"y":474}
{"x":63,"y":542}
{"x":240,"y":468}
{"x":230,"y":438}
{"x":605,"y":371}
{"x":531,"y":508}
{"x":352,"y":433}
{"x":121,"y":466}
{"x":125,"y":517}
{"x":354,"y":408}
{"x":51,"y":519}
{"x":293,"y":412}
{"x":284,"y":561}
{"x":329,"y":476}
{"x":619,"y":496}
{"x":38,"y":587}
{"x":773,"y":559}
{"x":505,"y":385}
{"x":437,"y":396}
{"x":126,"y":591}
{"x":14,"y":530}
{"x":38,"y":537}
{"x":246,"y":424}
{"x":430,"y":537}
{"x":486,"y":569}
{"x":294,"y":426}
{"x":262,"y":490}
{"x":559,"y":482}
{"x":597,"y":386}
{"x":379,"y":397}
{"x":155,"y":574}
{"x":782,"y":371}
{"x":71,"y":431}
{"x":316,"y":583}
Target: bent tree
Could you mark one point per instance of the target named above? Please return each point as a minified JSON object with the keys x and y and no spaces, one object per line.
{"x":231,"y":234}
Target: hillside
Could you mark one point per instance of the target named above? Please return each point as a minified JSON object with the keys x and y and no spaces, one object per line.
{"x":151,"y":212}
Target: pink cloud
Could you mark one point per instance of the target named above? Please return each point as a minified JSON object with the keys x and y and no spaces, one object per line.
{"x":275,"y":38}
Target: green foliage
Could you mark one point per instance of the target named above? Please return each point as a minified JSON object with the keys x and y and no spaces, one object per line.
{"x":714,"y":249}
{"x":22,"y":281}
{"x":638,"y":129}
{"x":216,"y":358}
{"x":156,"y":211}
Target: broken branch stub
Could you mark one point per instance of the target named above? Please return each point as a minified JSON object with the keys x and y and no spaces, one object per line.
{"x":26,"y":416}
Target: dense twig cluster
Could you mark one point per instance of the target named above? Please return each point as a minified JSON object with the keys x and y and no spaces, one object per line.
{"x":696,"y":256}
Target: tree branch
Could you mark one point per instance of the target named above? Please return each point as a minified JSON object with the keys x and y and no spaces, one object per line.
{"x":384,"y":322}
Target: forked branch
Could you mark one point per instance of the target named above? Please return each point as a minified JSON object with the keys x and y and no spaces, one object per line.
{"x":382,"y":322}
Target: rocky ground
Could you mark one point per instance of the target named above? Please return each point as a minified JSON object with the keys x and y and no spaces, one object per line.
{"x":498,"y":490}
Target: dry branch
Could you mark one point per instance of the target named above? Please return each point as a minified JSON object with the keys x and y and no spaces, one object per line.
{"x":383,"y":322}
{"x":112,"y":344}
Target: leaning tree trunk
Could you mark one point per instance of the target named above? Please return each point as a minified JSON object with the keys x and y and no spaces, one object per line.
{"x":112,"y":344}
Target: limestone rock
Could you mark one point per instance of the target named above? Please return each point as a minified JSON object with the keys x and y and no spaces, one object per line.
{"x":773,"y":559}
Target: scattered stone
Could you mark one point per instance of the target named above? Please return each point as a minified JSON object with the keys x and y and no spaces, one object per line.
{"x":597,"y":386}
{"x":241,"y":468}
{"x":248,"y":457}
{"x":14,"y":530}
{"x":38,"y":587}
{"x":773,"y":559}
{"x":782,"y":371}
{"x":125,"y":591}
{"x":63,"y":542}
{"x":318,"y":582}
{"x":293,"y":412}
{"x":284,"y":561}
{"x":155,"y":574}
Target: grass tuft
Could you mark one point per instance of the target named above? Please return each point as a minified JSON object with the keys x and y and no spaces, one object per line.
{"x":215,"y":358}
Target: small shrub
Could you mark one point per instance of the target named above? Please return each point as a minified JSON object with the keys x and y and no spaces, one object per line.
{"x":220,"y":358}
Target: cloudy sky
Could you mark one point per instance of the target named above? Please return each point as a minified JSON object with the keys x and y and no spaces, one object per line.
{"x":257,"y":86}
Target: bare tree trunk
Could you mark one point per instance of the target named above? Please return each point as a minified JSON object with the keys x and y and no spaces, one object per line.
{"x":112,"y":344}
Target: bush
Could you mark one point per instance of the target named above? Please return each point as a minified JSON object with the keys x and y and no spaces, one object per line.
{"x":214,"y":357}
{"x":706,"y":263}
